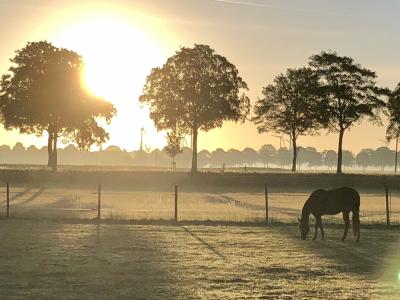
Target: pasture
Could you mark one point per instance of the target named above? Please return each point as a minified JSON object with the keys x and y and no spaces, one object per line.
{"x":123,"y":205}
{"x":52,"y":247}
{"x":70,"y":260}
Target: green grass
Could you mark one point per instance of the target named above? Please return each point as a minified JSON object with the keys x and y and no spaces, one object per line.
{"x":59,"y":260}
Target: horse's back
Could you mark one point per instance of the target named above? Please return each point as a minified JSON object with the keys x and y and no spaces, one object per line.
{"x":348,"y":195}
{"x":335,"y":201}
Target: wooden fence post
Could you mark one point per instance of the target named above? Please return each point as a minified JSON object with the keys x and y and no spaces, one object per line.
{"x":266,"y":204}
{"x":176,"y":203}
{"x":8,"y":200}
{"x":99,"y":203}
{"x":387,"y":206}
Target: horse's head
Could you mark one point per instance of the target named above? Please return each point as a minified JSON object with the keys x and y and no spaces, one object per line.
{"x":304,"y":228}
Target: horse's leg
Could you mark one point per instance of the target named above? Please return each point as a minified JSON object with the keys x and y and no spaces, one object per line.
{"x":319,"y":222}
{"x":316,"y":228}
{"x":356,"y":224}
{"x":346,"y":224}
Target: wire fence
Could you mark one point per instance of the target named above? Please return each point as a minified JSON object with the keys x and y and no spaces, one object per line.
{"x":74,"y":203}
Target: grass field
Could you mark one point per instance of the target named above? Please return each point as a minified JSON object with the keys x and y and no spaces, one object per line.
{"x":79,"y":203}
{"x":51,"y":247}
{"x":63,"y":260}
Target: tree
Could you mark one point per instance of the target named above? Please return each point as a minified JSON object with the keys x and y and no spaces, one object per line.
{"x":329,"y":158}
{"x":250,"y":156}
{"x":382,"y":157}
{"x":5,"y":152}
{"x":283,"y":157}
{"x":173,"y":147}
{"x":350,"y":94}
{"x":312,"y":157}
{"x":234,"y":157}
{"x":290,"y":106}
{"x":218,"y":157}
{"x":393,"y":129}
{"x":158,"y":158}
{"x":301,"y":156}
{"x":42,"y":92}
{"x":204,"y":157}
{"x":113,"y":148}
{"x":196,"y":89}
{"x":184,"y":159}
{"x":348,"y":158}
{"x":364,"y":157}
{"x":267,"y":154}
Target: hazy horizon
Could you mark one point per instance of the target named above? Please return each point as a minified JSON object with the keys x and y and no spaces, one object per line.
{"x":262,"y":38}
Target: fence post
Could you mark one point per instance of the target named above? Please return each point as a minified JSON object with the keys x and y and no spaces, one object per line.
{"x":176,"y":203}
{"x":266,"y":204}
{"x":99,"y":202}
{"x":8,"y":200}
{"x":387,"y":206}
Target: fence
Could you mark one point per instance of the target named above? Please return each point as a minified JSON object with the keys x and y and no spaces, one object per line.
{"x":104,"y":203}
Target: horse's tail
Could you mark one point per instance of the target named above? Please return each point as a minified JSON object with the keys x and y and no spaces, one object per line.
{"x":356,"y":224}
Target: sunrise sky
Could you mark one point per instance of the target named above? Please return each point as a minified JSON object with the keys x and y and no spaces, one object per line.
{"x":122,"y":40}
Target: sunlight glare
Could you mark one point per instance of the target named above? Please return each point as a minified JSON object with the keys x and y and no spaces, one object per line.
{"x":118,"y":55}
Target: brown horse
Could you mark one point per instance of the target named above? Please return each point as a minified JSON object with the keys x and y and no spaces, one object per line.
{"x":321,"y":202}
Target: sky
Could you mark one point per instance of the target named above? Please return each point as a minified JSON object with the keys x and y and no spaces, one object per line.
{"x":121,"y":41}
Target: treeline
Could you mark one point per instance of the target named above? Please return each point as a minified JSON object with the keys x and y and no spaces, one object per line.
{"x":195,"y":91}
{"x":266,"y":157}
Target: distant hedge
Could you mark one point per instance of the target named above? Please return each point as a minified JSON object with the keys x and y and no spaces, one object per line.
{"x":201,"y":182}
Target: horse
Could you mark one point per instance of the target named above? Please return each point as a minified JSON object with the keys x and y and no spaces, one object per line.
{"x":331,"y":202}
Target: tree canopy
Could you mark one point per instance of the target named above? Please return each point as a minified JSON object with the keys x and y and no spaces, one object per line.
{"x":173,"y":147}
{"x":364,"y":158}
{"x":290,"y":106}
{"x":350,"y":94}
{"x":393,"y":128}
{"x":196,"y":89}
{"x":42,"y":92}
{"x":393,"y":106}
{"x":267,"y":154}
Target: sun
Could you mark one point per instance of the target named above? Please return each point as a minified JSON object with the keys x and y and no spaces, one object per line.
{"x":118,"y":55}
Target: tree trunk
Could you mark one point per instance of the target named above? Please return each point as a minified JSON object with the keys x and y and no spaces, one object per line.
{"x":395,"y":158}
{"x":194,"y":157}
{"x":340,"y":152}
{"x":55,"y":158}
{"x":50,"y":149}
{"x":294,"y":154}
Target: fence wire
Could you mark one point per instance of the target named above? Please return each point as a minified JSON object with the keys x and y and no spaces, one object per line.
{"x":73,"y":203}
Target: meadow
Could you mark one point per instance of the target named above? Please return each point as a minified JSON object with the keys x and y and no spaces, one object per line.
{"x":53,"y":248}
{"x":130,"y":205}
{"x":43,"y":259}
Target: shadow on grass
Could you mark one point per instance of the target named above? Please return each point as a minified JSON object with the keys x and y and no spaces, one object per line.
{"x":81,"y":261}
{"x":20,"y":194}
{"x":34,"y":195}
{"x":210,"y":247}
